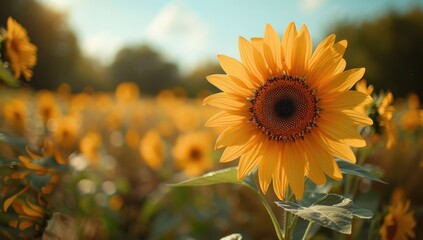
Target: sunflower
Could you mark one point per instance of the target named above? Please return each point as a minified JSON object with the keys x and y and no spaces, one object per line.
{"x":15,"y":113}
{"x":381,"y":112}
{"x":192,"y":152}
{"x":47,"y":106}
{"x":288,"y":110}
{"x":31,"y":216}
{"x":21,"y":54}
{"x":413,"y":118}
{"x":398,"y":223}
{"x":90,"y":146}
{"x":152,"y":149}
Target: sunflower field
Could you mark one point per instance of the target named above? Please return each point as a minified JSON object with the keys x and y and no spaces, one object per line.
{"x":286,"y":140}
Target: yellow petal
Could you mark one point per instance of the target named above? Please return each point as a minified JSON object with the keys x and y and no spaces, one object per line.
{"x":344,"y":100}
{"x":27,"y":162}
{"x":358,"y":118}
{"x":340,"y":131}
{"x":340,"y":67}
{"x":234,"y":68}
{"x":34,"y":210}
{"x":267,"y":165}
{"x":280,"y":179}
{"x":340,"y":48}
{"x":328,"y":41}
{"x":301,"y":53}
{"x":272,"y":50}
{"x":258,"y":52}
{"x":323,"y":69}
{"x":337,"y":149}
{"x":232,"y":152}
{"x":325,"y":160}
{"x":288,"y":40}
{"x":313,"y":170}
{"x":225,"y":102}
{"x":246,"y":51}
{"x":249,"y":160}
{"x":228,"y":84}
{"x":10,"y":200}
{"x":343,"y":81}
{"x":330,"y":168}
{"x":225,"y":119}
{"x":237,"y":135}
{"x":25,"y":224}
{"x":296,"y":170}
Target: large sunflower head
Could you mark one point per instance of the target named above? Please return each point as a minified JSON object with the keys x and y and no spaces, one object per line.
{"x":20,"y":52}
{"x":287,"y":109}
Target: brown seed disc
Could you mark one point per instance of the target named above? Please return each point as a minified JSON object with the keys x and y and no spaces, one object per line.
{"x":285,"y":108}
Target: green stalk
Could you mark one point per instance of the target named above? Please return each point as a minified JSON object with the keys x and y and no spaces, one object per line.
{"x":288,"y":225}
{"x":271,"y":215}
{"x":307,"y":231}
{"x":269,"y":211}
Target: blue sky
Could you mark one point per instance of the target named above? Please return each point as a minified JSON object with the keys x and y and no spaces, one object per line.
{"x":195,"y":31}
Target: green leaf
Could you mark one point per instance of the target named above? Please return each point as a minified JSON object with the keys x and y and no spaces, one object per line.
{"x":7,"y":76}
{"x":234,"y":236}
{"x":362,"y":213}
{"x":356,"y":170}
{"x":228,"y":175}
{"x":5,"y":138}
{"x":332,"y":211}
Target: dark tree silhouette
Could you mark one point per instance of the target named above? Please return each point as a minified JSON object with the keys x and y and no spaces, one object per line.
{"x":391,"y":50}
{"x":144,"y":66}
{"x":59,"y":57}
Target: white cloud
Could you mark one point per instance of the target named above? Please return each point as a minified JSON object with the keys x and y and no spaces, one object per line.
{"x":102,"y":46}
{"x":311,"y":5}
{"x":181,"y":33}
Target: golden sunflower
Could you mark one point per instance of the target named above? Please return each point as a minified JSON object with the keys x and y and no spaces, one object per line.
{"x":21,"y":54}
{"x":413,"y":118}
{"x":398,"y":224}
{"x":288,"y":110}
{"x":152,"y":149}
{"x":381,"y":111}
{"x":47,"y":106}
{"x":192,"y":152}
{"x":15,"y":113}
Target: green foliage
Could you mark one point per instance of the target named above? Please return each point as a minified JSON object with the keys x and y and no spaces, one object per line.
{"x":59,"y":56}
{"x":228,"y":175}
{"x":356,"y":170}
{"x":390,"y":48}
{"x":332,"y":211}
{"x":144,"y":66}
{"x":7,"y":77}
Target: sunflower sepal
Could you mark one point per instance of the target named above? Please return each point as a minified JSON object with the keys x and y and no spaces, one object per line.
{"x":332,"y":211}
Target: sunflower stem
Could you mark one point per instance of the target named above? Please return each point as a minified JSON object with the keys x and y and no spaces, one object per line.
{"x":287,"y":217}
{"x":271,"y":215}
{"x":307,"y":231}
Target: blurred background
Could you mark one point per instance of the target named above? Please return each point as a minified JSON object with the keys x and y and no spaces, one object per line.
{"x":118,"y":88}
{"x":98,"y":44}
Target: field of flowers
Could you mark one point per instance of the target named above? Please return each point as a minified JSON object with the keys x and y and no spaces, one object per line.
{"x":121,"y":165}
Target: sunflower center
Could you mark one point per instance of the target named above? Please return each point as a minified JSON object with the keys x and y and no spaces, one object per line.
{"x":284,"y":108}
{"x":195,"y":154}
